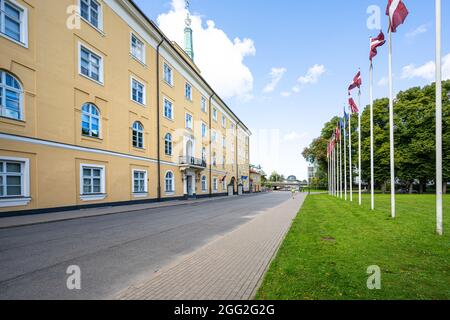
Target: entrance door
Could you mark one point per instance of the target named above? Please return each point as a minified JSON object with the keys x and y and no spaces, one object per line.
{"x":189,"y":186}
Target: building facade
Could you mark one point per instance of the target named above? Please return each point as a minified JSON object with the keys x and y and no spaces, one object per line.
{"x":99,"y":107}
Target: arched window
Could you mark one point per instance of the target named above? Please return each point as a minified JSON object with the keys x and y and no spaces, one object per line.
{"x":204,"y":184}
{"x":138,"y":135}
{"x":11,"y":97}
{"x":90,"y":121}
{"x":170,"y":186}
{"x":168,"y":144}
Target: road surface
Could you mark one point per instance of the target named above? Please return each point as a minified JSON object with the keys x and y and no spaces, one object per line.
{"x":115,"y":251}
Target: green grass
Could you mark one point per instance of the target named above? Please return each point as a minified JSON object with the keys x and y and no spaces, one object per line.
{"x":332,"y":243}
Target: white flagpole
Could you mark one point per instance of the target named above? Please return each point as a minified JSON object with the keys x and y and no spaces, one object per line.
{"x":359,"y":146}
{"x":391,"y":124}
{"x":338,"y":169}
{"x":350,"y":154}
{"x":328,"y":168}
{"x":345,"y":159}
{"x":439,"y":187}
{"x":340,"y":158}
{"x":334,"y":170}
{"x":372,"y":178}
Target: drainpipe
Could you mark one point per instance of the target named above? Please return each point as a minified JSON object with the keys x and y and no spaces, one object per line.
{"x":210,"y":144}
{"x":158,"y":110}
{"x":237,"y":157}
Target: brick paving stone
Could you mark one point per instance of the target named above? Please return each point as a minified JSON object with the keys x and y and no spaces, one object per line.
{"x":229,"y":268}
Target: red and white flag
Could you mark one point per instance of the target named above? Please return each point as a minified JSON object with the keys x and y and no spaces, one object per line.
{"x":353,"y":107}
{"x":397,"y":12}
{"x":357,"y":82}
{"x":375,"y":43}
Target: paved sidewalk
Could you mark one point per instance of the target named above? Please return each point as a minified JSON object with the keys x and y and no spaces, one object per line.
{"x":230,"y":268}
{"x":25,"y":220}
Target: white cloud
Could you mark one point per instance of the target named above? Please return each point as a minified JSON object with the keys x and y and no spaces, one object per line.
{"x":313,"y":75}
{"x":296,"y":89}
{"x":276,"y":74}
{"x":383,"y":82}
{"x":286,"y":94}
{"x":419,"y":30}
{"x":427,"y":70}
{"x":220,"y":58}
{"x":294,"y":136}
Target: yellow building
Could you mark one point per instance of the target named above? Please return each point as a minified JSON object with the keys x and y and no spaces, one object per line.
{"x":99,"y":107}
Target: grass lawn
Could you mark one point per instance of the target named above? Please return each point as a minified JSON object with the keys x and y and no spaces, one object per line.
{"x":332,"y":243}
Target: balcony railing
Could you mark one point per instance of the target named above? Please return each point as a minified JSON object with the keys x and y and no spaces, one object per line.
{"x":194,"y":162}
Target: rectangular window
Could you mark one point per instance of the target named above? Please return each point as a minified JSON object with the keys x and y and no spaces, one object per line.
{"x":224,"y":122}
{"x":168,"y":109}
{"x":215,"y":114}
{"x":204,"y":130}
{"x":204,"y":187}
{"x":137,"y":91}
{"x":137,"y":48}
{"x":13,"y":21}
{"x":11,"y":179}
{"x":91,"y":11}
{"x":214,"y":137}
{"x":140,"y":181}
{"x":91,"y":64}
{"x":204,"y":104}
{"x":215,"y":184}
{"x":168,"y":76}
{"x":188,"y":92}
{"x":224,"y":142}
{"x":189,"y":121}
{"x":93,"y":180}
{"x":224,"y":184}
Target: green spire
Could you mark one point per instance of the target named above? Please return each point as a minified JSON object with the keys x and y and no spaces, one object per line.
{"x":188,"y":41}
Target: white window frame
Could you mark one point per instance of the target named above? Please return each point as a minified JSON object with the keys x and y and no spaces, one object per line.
{"x":204,"y":105}
{"x":133,"y":183}
{"x":24,"y":199}
{"x":101,"y":67}
{"x":100,"y":16}
{"x":204,"y":183}
{"x":144,"y":89}
{"x":224,"y":121}
{"x":172,"y":109}
{"x":169,"y":192}
{"x":204,"y":130}
{"x":215,"y":184}
{"x":23,"y":22}
{"x":187,"y":95}
{"x":214,"y":136}
{"x":142,"y":59}
{"x":90,"y":122}
{"x":224,"y":184}
{"x":166,"y":141}
{"x":138,"y":132}
{"x":189,"y":119}
{"x":215,"y":112}
{"x":93,"y":197}
{"x":224,"y":142}
{"x":20,"y":92}
{"x":170,"y":82}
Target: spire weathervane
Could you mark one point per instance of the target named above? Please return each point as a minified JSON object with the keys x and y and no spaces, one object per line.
{"x":188,"y":40}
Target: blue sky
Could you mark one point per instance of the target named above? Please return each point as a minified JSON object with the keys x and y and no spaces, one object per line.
{"x":294,"y":36}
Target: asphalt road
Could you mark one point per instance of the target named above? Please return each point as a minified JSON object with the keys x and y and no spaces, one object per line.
{"x":115,"y":251}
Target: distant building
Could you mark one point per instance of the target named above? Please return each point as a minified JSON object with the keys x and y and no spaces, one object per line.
{"x":256,"y":174}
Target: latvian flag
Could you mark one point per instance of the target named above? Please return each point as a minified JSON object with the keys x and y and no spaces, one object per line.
{"x":353,"y":107}
{"x":357,"y":82}
{"x":397,"y":12}
{"x":375,"y":43}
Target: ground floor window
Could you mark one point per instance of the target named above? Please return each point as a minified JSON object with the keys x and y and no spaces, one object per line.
{"x":169,"y":182}
{"x":224,"y":184}
{"x":215,"y":184}
{"x":139,"y":181}
{"x":204,"y":188}
{"x":11,"y":178}
{"x":93,"y":180}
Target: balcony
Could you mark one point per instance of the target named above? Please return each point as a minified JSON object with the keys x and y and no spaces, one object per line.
{"x":192,"y":162}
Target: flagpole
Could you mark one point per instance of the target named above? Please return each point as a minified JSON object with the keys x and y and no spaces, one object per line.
{"x":338,"y":169}
{"x":359,"y":146}
{"x":340,"y":158}
{"x":350,"y":154}
{"x":372,"y":178}
{"x":439,"y":187}
{"x":391,"y":125}
{"x":345,"y":158}
{"x":334,"y":169}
